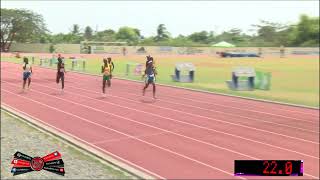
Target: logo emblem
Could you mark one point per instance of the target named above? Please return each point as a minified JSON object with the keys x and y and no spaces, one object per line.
{"x":23,"y":163}
{"x":37,"y":163}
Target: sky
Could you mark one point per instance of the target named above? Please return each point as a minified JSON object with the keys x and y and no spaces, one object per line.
{"x":179,"y":17}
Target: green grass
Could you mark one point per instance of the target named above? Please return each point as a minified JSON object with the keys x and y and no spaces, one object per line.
{"x":294,"y":79}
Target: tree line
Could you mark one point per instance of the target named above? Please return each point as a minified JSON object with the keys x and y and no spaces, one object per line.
{"x":25,"y":26}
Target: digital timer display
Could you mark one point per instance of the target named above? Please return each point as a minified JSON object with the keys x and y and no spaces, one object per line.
{"x":268,"y":168}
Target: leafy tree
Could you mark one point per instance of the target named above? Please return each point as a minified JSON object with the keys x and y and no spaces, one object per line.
{"x":27,"y":26}
{"x":162,"y":33}
{"x":269,"y":32}
{"x":21,"y":26}
{"x":128,"y":34}
{"x":52,"y":48}
{"x":45,"y":38}
{"x":75,"y":29}
{"x":201,"y":37}
{"x":88,"y":33}
{"x":306,"y":32}
{"x":106,"y":35}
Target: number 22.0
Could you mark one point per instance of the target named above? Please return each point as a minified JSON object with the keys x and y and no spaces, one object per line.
{"x":267,"y":164}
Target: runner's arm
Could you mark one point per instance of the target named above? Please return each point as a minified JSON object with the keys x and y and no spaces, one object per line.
{"x":155,"y":71}
{"x":144,"y":74}
{"x":64,"y":69}
{"x":112,"y":66}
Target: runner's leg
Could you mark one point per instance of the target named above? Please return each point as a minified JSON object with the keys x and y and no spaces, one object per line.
{"x":29,"y":82}
{"x":24,"y":83}
{"x":103,"y":86}
{"x":144,"y":88}
{"x":58,"y":77}
{"x":154,"y":90}
{"x":62,"y":80}
{"x":109,"y":83}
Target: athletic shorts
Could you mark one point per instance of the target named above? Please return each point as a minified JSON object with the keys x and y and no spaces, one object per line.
{"x":150,"y":79}
{"x":106,"y":78}
{"x":60,"y":75}
{"x":26,"y":75}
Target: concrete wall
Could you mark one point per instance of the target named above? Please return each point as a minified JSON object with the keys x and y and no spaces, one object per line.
{"x":26,"y":47}
{"x":44,"y":48}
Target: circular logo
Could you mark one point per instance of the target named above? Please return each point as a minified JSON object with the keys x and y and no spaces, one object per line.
{"x":37,"y":163}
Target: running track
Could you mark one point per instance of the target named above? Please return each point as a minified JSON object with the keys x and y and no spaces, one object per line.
{"x":183,"y":134}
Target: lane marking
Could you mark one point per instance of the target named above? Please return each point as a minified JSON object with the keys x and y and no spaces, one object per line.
{"x":91,"y":75}
{"x":186,"y":123}
{"x":211,"y":93}
{"x":213,"y":119}
{"x":126,"y":138}
{"x":129,"y":119}
{"x":84,"y":141}
{"x":150,"y":144}
{"x":229,"y":114}
{"x":192,"y":90}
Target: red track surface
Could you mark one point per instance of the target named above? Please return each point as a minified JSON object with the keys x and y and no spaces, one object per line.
{"x":183,"y":134}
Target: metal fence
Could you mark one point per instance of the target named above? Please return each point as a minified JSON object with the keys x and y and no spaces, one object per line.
{"x":133,"y":50}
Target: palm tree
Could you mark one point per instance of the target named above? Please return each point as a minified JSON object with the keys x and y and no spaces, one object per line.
{"x":162,"y":33}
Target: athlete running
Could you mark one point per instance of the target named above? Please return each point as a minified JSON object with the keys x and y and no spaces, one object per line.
{"x":27,"y":71}
{"x":60,"y":72}
{"x":106,"y":73}
{"x":150,"y":78}
{"x":110,"y":62}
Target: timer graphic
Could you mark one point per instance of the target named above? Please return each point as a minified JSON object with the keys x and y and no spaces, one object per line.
{"x":268,"y":168}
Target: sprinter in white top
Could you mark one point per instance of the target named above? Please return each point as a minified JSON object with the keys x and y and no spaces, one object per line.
{"x":27,"y":71}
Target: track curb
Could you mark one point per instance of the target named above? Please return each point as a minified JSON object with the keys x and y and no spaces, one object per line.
{"x":82,"y":147}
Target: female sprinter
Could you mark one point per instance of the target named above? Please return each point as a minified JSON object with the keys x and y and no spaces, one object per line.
{"x":150,"y":60}
{"x":150,"y":79}
{"x":110,"y":62}
{"x":27,"y":71}
{"x":106,"y":71}
{"x":60,"y":72}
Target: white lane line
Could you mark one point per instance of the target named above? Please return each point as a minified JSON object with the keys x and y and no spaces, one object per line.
{"x":213,"y":119}
{"x":310,"y":175}
{"x":191,"y":125}
{"x":148,"y":143}
{"x":86,"y":142}
{"x":147,"y":125}
{"x":201,"y":101}
{"x":79,"y":73}
{"x":234,"y":115}
{"x":126,"y":138}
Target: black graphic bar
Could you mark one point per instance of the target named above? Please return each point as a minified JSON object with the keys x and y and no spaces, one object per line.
{"x":20,"y":170}
{"x":19,"y":155}
{"x":54,"y":163}
{"x":56,"y":170}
